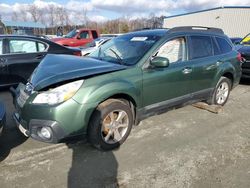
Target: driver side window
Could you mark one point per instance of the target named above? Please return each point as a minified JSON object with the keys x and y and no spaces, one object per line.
{"x":174,"y":50}
{"x":84,"y":35}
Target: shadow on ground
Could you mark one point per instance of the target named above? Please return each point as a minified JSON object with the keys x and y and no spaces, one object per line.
{"x":91,"y":167}
{"x":11,"y":137}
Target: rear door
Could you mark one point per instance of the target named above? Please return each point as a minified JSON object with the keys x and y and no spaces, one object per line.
{"x":22,"y":57}
{"x":205,"y":63}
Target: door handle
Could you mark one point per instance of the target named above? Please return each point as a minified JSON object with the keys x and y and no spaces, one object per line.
{"x":39,"y":56}
{"x":187,"y":70}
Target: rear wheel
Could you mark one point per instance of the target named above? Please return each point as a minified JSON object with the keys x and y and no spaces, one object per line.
{"x":110,"y":124}
{"x":221,"y":92}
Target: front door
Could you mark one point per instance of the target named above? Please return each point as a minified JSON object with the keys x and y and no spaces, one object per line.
{"x":83,"y":38}
{"x":169,"y":85}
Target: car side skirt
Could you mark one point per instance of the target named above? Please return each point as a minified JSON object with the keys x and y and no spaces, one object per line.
{"x":164,"y":106}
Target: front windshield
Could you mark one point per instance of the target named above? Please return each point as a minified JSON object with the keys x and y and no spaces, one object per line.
{"x":71,"y":34}
{"x":126,"y":49}
{"x":246,"y":40}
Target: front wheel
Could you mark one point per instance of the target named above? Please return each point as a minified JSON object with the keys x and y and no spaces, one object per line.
{"x":110,"y":124}
{"x":221,"y":92}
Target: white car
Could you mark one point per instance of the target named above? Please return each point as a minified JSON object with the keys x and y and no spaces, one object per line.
{"x":86,"y":50}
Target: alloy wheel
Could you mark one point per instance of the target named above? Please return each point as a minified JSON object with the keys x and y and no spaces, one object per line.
{"x":115,"y":126}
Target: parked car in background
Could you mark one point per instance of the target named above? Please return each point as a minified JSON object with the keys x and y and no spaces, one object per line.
{"x":111,"y":35}
{"x":86,"y":50}
{"x":236,"y":40}
{"x":244,"y":48}
{"x":2,"y":117}
{"x":20,"y":55}
{"x":130,"y":78}
{"x":77,"y":37}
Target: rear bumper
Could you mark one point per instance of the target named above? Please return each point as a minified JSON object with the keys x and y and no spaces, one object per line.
{"x":2,"y":117}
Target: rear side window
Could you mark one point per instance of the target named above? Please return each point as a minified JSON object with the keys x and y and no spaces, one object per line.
{"x":201,"y":46}
{"x":22,"y":46}
{"x":224,"y":46}
{"x":94,"y":34}
{"x":1,"y":47}
{"x":41,"y":47}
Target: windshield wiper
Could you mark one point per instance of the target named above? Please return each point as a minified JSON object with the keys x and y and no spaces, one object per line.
{"x":117,"y":56}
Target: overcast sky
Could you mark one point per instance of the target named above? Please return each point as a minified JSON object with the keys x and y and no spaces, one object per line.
{"x":100,"y":10}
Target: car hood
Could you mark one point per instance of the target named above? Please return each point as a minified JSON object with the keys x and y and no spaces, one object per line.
{"x":55,"y":69}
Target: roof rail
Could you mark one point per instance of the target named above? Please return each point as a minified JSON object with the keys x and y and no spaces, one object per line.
{"x":196,"y":29}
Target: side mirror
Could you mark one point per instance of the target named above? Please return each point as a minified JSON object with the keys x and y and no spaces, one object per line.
{"x":159,"y":62}
{"x":78,"y":37}
{"x":236,"y":42}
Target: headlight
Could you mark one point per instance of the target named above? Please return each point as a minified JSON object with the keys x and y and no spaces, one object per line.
{"x":59,"y":94}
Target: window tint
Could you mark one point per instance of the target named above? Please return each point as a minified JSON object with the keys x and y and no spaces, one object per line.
{"x":1,"y":47}
{"x":41,"y":47}
{"x":84,"y":35}
{"x":201,"y":46}
{"x":174,"y":50}
{"x":94,"y":34}
{"x":22,"y":46}
{"x":224,"y":45}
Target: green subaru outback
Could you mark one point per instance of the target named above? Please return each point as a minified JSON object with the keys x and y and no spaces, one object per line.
{"x":129,"y":78}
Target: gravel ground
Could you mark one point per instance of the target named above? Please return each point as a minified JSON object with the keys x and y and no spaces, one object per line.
{"x":187,"y":147}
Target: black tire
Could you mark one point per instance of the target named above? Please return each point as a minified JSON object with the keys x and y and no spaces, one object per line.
{"x":213,"y":99}
{"x":95,"y":128}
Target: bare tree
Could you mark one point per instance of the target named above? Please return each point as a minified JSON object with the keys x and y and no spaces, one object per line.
{"x":14,"y":16}
{"x":35,"y":12}
{"x":51,"y":15}
{"x":23,"y":15}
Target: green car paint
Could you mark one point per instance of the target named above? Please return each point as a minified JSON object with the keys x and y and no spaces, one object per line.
{"x":149,"y":89}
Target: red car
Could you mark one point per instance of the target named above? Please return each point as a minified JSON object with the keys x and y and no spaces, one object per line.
{"x":77,"y":37}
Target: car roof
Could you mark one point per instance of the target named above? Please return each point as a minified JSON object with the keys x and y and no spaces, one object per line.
{"x":24,"y":36}
{"x":149,"y":32}
{"x":182,"y":30}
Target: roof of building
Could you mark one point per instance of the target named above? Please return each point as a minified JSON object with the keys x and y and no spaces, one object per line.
{"x":223,"y":7}
{"x":22,"y":24}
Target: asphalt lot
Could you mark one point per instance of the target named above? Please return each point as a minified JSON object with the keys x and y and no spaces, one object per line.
{"x":187,"y":147}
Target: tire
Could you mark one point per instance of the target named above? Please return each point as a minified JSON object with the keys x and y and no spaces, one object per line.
{"x":224,"y":85}
{"x":102,"y":133}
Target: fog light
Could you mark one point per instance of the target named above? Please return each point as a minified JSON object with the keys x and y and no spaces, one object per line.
{"x":46,"y":132}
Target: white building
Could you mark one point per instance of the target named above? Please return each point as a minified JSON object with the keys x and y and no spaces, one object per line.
{"x":235,"y":21}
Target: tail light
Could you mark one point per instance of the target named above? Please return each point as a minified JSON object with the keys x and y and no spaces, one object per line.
{"x":77,"y":53}
{"x":240,"y":58}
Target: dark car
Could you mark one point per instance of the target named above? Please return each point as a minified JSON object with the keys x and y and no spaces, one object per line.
{"x":129,"y":78}
{"x":235,"y":40}
{"x":244,"y":48}
{"x":2,"y":117}
{"x":20,"y":55}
